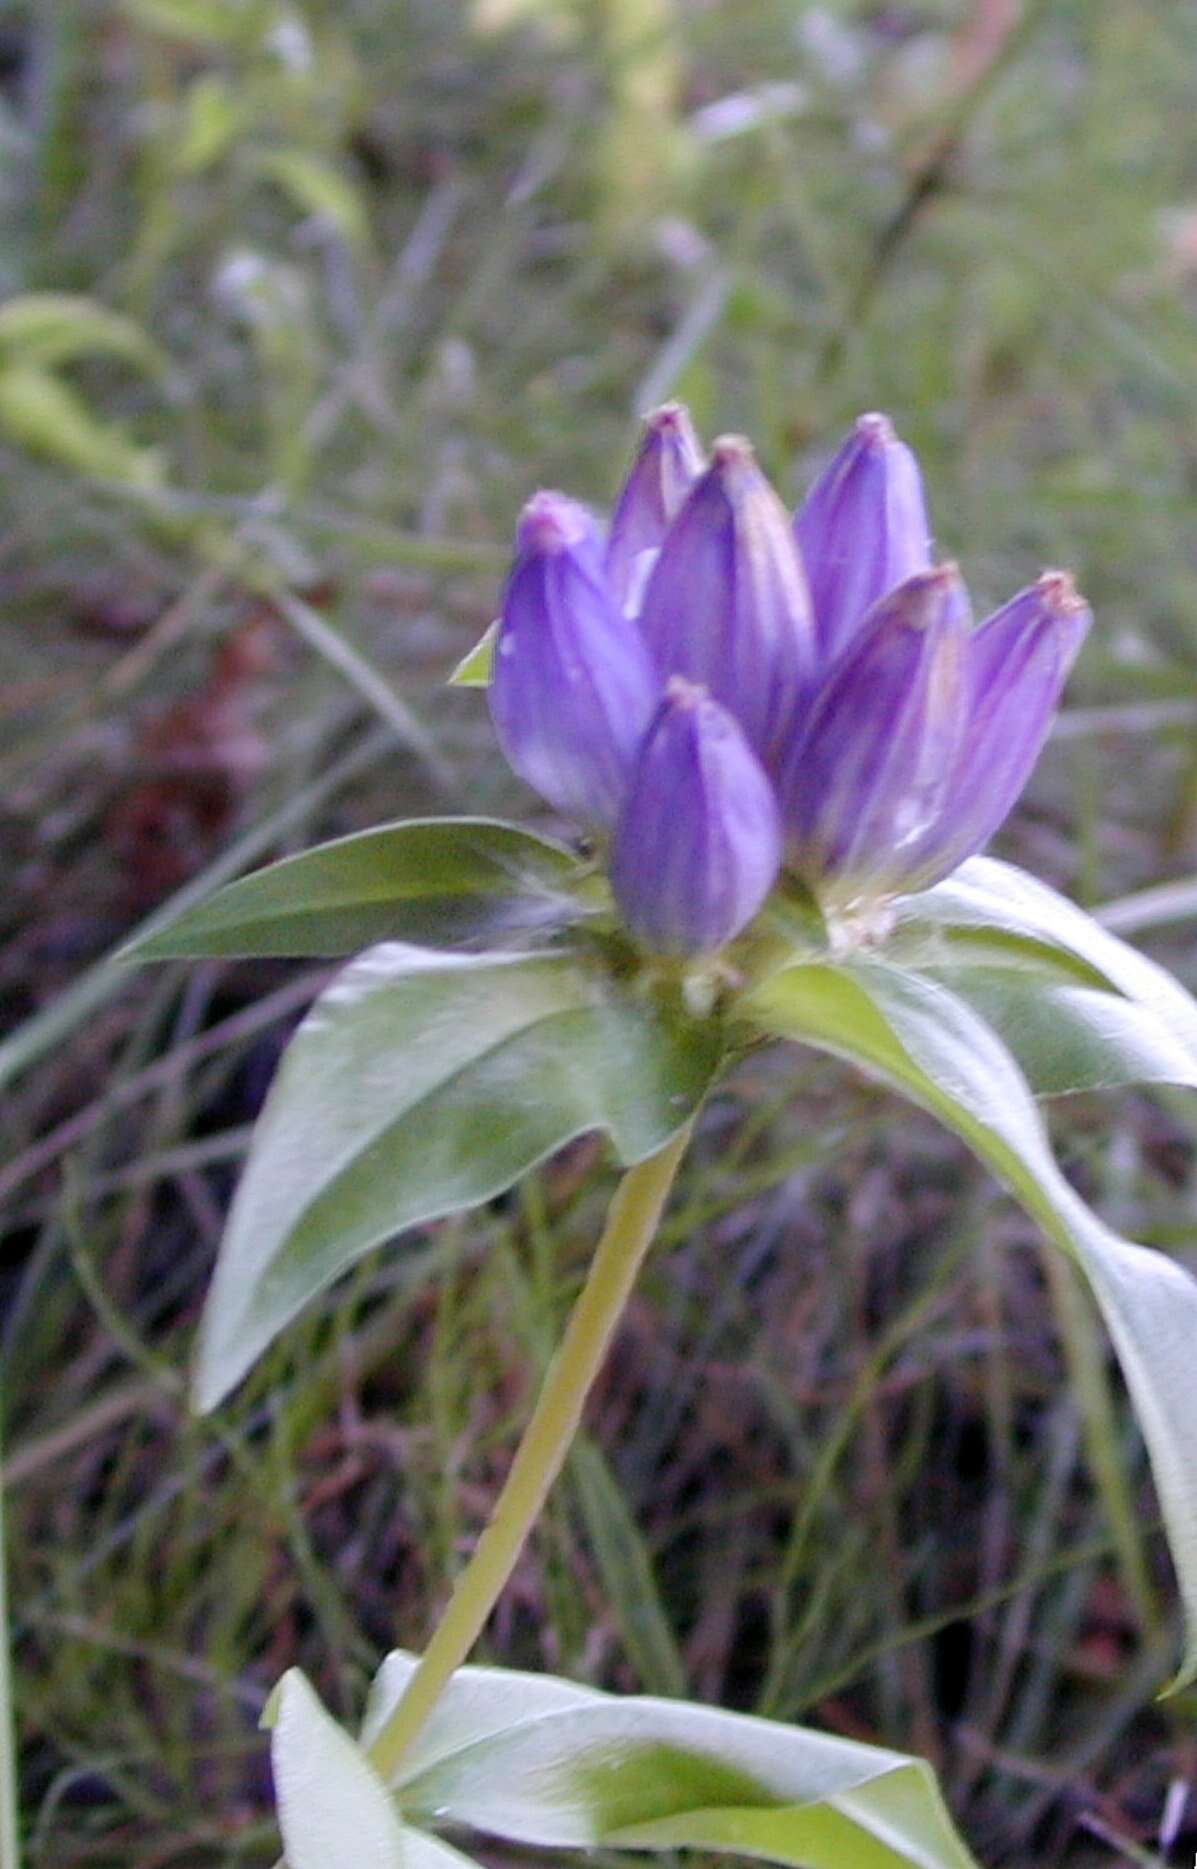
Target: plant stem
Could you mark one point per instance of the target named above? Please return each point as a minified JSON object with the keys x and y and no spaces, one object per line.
{"x":632,"y":1222}
{"x":10,"y":1842}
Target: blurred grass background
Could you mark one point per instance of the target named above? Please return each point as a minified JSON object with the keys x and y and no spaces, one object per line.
{"x":301,"y":300}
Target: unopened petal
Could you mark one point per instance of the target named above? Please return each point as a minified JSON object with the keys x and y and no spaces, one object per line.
{"x":698,"y":845}
{"x":1019,"y":661}
{"x":573,"y":685}
{"x":865,"y":782}
{"x":667,"y":464}
{"x":727,"y":603}
{"x":862,"y":530}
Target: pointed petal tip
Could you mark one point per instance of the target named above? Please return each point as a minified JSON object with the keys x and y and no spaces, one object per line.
{"x":552,"y":522}
{"x":732,"y":451}
{"x":682,"y":694}
{"x":927,"y":596}
{"x":875,"y":429}
{"x":668,"y":418}
{"x":1059,"y":594}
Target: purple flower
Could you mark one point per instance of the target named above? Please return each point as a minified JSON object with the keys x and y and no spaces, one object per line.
{"x":669,"y":461}
{"x":727,"y":603}
{"x":1019,"y":660}
{"x":870,"y":773}
{"x":573,"y":686}
{"x":698,"y":845}
{"x":889,"y":736}
{"x":862,"y":530}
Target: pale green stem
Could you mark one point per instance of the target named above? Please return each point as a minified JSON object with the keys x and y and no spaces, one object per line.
{"x":627,"y":1236}
{"x":10,"y":1845}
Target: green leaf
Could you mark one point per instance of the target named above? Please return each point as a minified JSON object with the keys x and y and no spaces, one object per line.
{"x":985,"y":898}
{"x":317,"y":188}
{"x":1068,"y":1038}
{"x":213,"y":116}
{"x":39,"y":412}
{"x":477,"y":1704}
{"x":430,"y":880}
{"x":421,"y":1083}
{"x":926,"y":1043}
{"x":538,"y":1761}
{"x":332,"y":1805}
{"x":1079,"y":1009}
{"x":49,"y":328}
{"x":474,"y":670}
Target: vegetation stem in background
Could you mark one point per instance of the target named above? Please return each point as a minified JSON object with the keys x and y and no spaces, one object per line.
{"x":10,"y":1848}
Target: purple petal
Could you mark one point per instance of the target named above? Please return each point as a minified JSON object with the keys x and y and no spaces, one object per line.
{"x":573,"y":686}
{"x":862,"y":530}
{"x":866,"y":780}
{"x":698,"y":845}
{"x":727,"y":604}
{"x":1019,"y":660}
{"x":669,"y":461}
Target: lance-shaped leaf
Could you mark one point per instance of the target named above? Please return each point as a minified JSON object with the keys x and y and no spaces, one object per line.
{"x":332,"y":1805}
{"x":1080,"y":1009}
{"x":926,"y":1043}
{"x":436,"y":880}
{"x":478,"y":1704}
{"x":423,"y":1082}
{"x":543,"y":1762}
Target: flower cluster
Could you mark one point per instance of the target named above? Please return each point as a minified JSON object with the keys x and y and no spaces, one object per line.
{"x":724,"y":691}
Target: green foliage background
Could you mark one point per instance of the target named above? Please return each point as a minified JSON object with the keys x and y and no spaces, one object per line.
{"x":335,"y":286}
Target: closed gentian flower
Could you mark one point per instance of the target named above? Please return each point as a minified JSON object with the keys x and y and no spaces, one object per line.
{"x":862,"y":530}
{"x":573,"y":685}
{"x":1019,"y":660}
{"x":727,"y":603}
{"x":866,"y":778}
{"x":669,"y":461}
{"x":698,"y":844}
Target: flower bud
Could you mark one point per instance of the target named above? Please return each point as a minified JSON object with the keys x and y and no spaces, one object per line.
{"x":698,"y":844}
{"x":669,"y":461}
{"x":1018,"y":661}
{"x":862,"y":530}
{"x":727,"y":603}
{"x":573,"y":686}
{"x":867,"y":778}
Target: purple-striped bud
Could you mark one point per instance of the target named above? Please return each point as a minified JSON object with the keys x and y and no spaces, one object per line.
{"x":868,"y":777}
{"x":573,"y":686}
{"x":669,"y":461}
{"x":862,"y":530}
{"x":727,"y":603}
{"x":698,"y":844}
{"x":1019,"y":660}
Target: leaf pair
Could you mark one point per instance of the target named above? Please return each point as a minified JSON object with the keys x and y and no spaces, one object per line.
{"x":535,"y":1760}
{"x":425,"y":1081}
